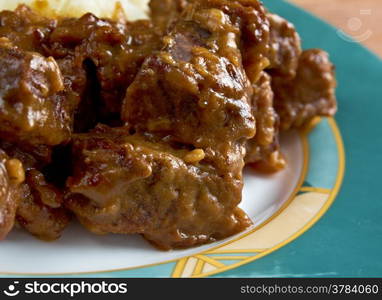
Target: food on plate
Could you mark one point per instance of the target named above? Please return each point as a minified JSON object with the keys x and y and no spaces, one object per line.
{"x":11,"y":176}
{"x":145,"y":126}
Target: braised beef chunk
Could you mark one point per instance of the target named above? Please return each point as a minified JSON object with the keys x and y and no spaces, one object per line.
{"x":39,"y":206}
{"x":11,"y":176}
{"x":31,"y":32}
{"x":195,"y":89}
{"x":117,"y":51}
{"x":263,"y":151}
{"x":285,"y":47}
{"x":311,"y":93}
{"x":118,"y":65}
{"x":303,"y":81}
{"x":40,"y":209}
{"x":136,"y":184}
{"x":32,"y":109}
{"x":248,"y":16}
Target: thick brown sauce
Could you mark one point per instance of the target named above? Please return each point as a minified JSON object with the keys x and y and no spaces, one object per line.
{"x":145,"y":127}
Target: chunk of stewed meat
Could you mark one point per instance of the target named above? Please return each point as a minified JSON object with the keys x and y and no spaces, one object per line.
{"x":32,"y":108}
{"x":139,"y":184}
{"x":115,"y":49}
{"x":40,"y":210}
{"x":196,"y":88}
{"x":285,"y":47}
{"x":311,"y":93}
{"x":249,"y":17}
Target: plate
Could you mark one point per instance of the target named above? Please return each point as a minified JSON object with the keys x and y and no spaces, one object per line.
{"x":283,"y":206}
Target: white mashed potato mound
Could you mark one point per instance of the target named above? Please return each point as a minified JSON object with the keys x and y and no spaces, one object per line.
{"x":133,"y":9}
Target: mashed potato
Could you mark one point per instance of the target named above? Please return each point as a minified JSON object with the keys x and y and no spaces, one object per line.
{"x":133,"y":9}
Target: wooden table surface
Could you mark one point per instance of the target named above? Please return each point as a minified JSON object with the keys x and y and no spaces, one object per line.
{"x":361,"y":19}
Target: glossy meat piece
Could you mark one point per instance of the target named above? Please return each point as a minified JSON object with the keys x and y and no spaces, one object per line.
{"x":31,"y":32}
{"x":285,"y":47}
{"x":11,"y":176}
{"x":32,"y":108}
{"x":117,"y":51}
{"x":263,"y":151}
{"x":117,"y":70}
{"x":248,"y":16}
{"x":140,"y":184}
{"x":195,"y":89}
{"x":311,"y":93}
{"x":40,"y":210}
{"x":26,"y":29}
